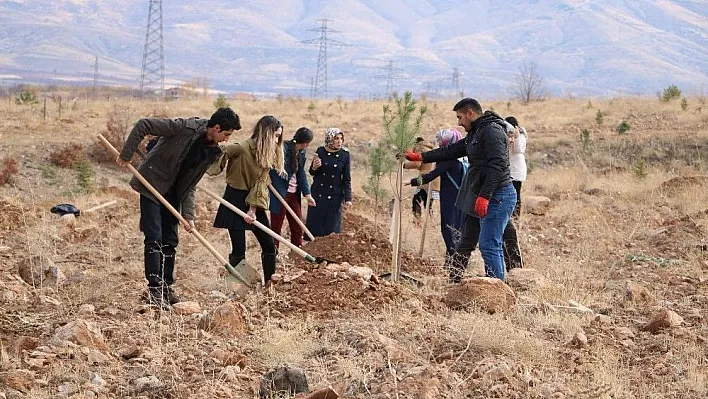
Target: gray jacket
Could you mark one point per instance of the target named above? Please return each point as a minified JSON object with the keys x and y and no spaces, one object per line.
{"x":161,"y":166}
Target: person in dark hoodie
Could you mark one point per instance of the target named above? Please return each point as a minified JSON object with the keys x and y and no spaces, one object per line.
{"x":486,"y":194}
{"x":450,"y":174}
{"x":292,"y":186}
{"x":184,"y":150}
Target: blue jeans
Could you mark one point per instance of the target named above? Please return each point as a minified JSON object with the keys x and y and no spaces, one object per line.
{"x":491,"y":230}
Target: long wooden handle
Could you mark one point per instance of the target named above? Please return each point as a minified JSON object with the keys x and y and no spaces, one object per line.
{"x":425,"y":218}
{"x":258,"y":224}
{"x":292,"y":212}
{"x":172,"y":210}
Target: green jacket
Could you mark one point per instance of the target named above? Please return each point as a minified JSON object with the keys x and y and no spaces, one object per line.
{"x":243,"y":173}
{"x":161,"y":167}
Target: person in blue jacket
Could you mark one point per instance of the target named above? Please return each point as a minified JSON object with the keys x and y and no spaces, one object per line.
{"x":292,"y":186}
{"x":331,"y":185}
{"x":450,"y":173}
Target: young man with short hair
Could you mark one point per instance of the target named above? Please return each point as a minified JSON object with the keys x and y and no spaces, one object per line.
{"x":184,"y":150}
{"x":486,"y":194}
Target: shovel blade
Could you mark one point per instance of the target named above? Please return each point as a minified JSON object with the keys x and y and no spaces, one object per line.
{"x":242,"y":277}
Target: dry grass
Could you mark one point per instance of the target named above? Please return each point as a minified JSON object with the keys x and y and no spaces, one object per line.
{"x":601,"y":214}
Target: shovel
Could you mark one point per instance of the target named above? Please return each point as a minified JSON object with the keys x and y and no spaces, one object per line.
{"x":299,"y":251}
{"x":244,"y":275}
{"x":290,"y":210}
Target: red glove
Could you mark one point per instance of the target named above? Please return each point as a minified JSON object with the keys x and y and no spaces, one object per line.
{"x":413,"y":156}
{"x":480,"y":206}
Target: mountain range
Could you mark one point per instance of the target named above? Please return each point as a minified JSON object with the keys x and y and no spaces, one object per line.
{"x":581,"y":47}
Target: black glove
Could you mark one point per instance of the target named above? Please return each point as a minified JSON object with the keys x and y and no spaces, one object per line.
{"x":418,"y":181}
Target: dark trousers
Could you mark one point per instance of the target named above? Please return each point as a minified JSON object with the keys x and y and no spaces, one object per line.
{"x":268,"y":250}
{"x":159,"y":226}
{"x":419,"y":200}
{"x":458,"y":261}
{"x":277,"y":219}
{"x":517,"y":187}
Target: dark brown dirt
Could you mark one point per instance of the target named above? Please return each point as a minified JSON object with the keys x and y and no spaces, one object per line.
{"x":682,"y":182}
{"x":362,"y":244}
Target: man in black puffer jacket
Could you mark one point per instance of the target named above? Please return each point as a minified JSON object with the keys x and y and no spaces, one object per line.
{"x":486,"y":195}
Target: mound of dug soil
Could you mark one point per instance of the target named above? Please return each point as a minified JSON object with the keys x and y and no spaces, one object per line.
{"x":324,"y":292}
{"x":362,"y":244}
{"x":683,"y":182}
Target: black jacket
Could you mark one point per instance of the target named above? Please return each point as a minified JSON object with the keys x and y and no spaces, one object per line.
{"x":486,"y":149}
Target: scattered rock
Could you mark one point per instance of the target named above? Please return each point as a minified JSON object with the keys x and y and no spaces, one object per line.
{"x":524,"y":279}
{"x":536,"y":205}
{"x":229,"y":358}
{"x":364,"y":273}
{"x":147,"y":384}
{"x":602,"y":319}
{"x":635,"y":292}
{"x":19,"y":380}
{"x":186,"y":308}
{"x":580,"y":340}
{"x":24,"y":343}
{"x":623,"y":333}
{"x":228,"y":320}
{"x":324,"y":393}
{"x":490,"y":294}
{"x":286,"y":380}
{"x":80,"y":332}
{"x":40,"y":271}
{"x":664,"y":319}
{"x":129,"y":352}
{"x":86,"y":309}
{"x":96,"y":357}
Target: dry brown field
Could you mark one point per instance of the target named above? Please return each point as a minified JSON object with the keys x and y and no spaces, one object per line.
{"x":625,"y":236}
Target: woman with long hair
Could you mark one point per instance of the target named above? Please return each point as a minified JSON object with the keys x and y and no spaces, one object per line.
{"x":331,"y":185}
{"x":292,"y":186}
{"x":248,"y":163}
{"x":517,"y":159}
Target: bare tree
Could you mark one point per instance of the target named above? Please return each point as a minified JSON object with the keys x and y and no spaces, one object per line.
{"x":529,"y":84}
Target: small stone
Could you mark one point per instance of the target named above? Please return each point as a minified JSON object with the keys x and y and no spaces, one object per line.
{"x":602,"y":319}
{"x":664,"y":319}
{"x":86,"y":309}
{"x":81,"y":333}
{"x":149,"y":383}
{"x":229,"y":358}
{"x":24,"y":343}
{"x":285,"y":379}
{"x":96,"y":357}
{"x":129,"y":352}
{"x":364,"y":273}
{"x":580,"y":340}
{"x":623,"y":333}
{"x":39,"y":271}
{"x":637,"y":293}
{"x":186,"y":308}
{"x":19,"y":380}
{"x":537,"y":205}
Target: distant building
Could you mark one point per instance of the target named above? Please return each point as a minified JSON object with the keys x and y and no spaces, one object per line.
{"x":173,"y":93}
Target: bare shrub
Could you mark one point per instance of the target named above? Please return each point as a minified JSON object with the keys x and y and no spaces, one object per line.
{"x":68,"y":155}
{"x":8,"y":170}
{"x":118,"y":127}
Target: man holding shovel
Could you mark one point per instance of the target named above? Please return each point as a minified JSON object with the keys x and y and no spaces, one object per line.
{"x":184,"y":151}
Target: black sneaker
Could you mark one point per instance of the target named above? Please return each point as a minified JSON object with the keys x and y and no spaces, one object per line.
{"x":170,"y":296}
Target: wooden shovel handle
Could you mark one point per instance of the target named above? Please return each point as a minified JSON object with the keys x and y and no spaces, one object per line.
{"x":292,"y":212}
{"x":258,"y":224}
{"x":172,"y":210}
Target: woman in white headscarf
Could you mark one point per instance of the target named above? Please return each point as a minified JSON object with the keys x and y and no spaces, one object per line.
{"x":331,"y":185}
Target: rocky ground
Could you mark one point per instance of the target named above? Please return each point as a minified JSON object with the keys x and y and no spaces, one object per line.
{"x":611,"y":304}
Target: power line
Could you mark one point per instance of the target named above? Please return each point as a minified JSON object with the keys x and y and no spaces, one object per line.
{"x":153,"y":70}
{"x":391,"y":76}
{"x":319,"y":88}
{"x":456,"y":81}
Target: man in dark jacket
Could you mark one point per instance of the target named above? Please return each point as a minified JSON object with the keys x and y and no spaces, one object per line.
{"x":486,"y":194}
{"x":184,"y":150}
